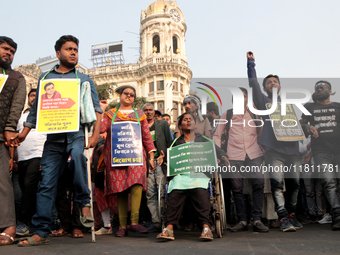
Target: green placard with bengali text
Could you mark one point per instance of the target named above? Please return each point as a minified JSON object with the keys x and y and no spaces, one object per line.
{"x":190,"y":156}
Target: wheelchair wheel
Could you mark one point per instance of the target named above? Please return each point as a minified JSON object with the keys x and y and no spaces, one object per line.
{"x":224,"y":215}
{"x":219,"y":230}
{"x":219,"y":225}
{"x":161,"y":200}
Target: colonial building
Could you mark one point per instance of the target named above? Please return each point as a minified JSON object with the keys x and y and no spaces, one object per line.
{"x":162,"y":74}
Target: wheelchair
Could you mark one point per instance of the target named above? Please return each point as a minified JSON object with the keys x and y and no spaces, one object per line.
{"x":218,"y":212}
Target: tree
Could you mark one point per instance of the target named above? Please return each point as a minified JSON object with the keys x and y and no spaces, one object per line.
{"x":105,"y":90}
{"x":139,"y":102}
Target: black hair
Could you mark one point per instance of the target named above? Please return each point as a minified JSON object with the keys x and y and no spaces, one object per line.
{"x":212,"y":107}
{"x":121,"y":90}
{"x":48,"y":84}
{"x":270,"y":76}
{"x":31,"y":91}
{"x":165,"y":114}
{"x":9,"y":41}
{"x":180,"y":118}
{"x":62,"y":40}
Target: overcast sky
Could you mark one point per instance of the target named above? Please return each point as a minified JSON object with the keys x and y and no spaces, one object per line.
{"x":290,"y":38}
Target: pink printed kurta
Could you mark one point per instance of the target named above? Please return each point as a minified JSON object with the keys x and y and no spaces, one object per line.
{"x":118,"y":179}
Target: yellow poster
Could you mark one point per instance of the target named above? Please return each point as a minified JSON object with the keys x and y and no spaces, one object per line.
{"x":3,"y":79}
{"x":58,"y":106}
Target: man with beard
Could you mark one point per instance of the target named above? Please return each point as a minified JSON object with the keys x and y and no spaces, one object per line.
{"x":160,"y":132}
{"x":59,"y":147}
{"x":193,"y":104}
{"x":12,"y":101}
{"x":325,"y":130}
{"x":29,"y":156}
{"x":277,"y":153}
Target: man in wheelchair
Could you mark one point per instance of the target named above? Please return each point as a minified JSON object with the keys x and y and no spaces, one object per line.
{"x":183,"y":185}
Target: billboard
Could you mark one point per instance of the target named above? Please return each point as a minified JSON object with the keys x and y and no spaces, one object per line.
{"x":105,"y":48}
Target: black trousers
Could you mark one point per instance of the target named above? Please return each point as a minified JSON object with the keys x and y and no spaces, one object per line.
{"x":257,"y":183}
{"x":29,"y":177}
{"x":200,"y":200}
{"x":68,"y":214}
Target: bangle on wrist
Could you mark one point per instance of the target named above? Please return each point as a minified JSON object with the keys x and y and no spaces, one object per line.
{"x":11,"y":157}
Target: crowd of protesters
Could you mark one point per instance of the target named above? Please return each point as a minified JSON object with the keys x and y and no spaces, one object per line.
{"x":44,"y":177}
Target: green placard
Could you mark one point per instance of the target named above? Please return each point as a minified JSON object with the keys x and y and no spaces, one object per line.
{"x":191,"y":157}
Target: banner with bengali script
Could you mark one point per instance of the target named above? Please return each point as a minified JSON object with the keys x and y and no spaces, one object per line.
{"x":126,"y":144}
{"x":58,"y":106}
{"x":190,"y":157}
{"x":287,"y":127}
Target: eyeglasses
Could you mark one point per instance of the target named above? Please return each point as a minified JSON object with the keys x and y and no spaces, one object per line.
{"x":128,"y":94}
{"x":322,"y":86}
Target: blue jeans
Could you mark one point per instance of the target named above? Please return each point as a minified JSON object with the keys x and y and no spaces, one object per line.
{"x":327,"y":165}
{"x":154,"y":179}
{"x":276,"y":159}
{"x":54,"y":159}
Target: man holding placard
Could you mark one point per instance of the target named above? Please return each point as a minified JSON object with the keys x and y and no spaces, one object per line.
{"x":59,"y":118}
{"x":278,"y":154}
{"x":12,"y":101}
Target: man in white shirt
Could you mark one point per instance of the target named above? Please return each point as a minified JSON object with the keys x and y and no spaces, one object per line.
{"x":29,"y":156}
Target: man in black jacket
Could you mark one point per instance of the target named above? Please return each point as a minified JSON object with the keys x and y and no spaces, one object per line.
{"x":12,"y":101}
{"x":161,"y":136}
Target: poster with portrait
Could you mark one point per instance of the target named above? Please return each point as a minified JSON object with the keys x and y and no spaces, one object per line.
{"x":3,"y":79}
{"x":58,"y":106}
{"x":126,"y":144}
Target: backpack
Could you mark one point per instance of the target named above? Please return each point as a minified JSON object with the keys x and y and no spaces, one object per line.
{"x":225,"y":134}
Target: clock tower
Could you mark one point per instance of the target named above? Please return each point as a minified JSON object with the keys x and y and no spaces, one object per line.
{"x":163,"y":60}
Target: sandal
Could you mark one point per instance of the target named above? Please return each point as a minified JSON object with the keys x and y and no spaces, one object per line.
{"x":207,"y":234}
{"x":32,"y":242}
{"x":76,"y":233}
{"x":9,"y":237}
{"x":86,"y":221}
{"x":58,"y":233}
{"x":170,"y":235}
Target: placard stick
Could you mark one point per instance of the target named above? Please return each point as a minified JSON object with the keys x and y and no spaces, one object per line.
{"x":89,"y":183}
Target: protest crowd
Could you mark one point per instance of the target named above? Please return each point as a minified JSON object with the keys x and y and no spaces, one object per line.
{"x":109,"y":177}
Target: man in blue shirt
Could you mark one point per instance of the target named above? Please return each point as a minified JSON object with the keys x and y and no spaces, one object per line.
{"x":277,"y":153}
{"x":59,"y":147}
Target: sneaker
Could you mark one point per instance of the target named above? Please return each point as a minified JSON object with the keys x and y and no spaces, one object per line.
{"x":104,"y":231}
{"x":293,"y":220}
{"x":327,"y":219}
{"x":260,"y":227}
{"x":22,"y":229}
{"x":137,"y":228}
{"x":286,"y":226}
{"x":239,"y":227}
{"x":122,"y":232}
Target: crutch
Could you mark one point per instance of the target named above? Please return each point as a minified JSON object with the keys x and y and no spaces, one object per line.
{"x":89,"y":183}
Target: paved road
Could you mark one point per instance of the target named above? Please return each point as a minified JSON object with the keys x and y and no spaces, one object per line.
{"x":313,"y":239}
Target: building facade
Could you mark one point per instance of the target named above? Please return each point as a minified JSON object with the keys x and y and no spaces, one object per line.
{"x":162,"y":74}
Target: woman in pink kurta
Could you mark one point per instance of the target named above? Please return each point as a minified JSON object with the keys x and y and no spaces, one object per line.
{"x":120,"y":181}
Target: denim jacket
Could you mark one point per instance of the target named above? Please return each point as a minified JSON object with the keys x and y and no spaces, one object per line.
{"x":63,"y":137}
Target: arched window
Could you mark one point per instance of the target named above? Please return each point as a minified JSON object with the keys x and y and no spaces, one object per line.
{"x":155,"y":44}
{"x":174,"y":44}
